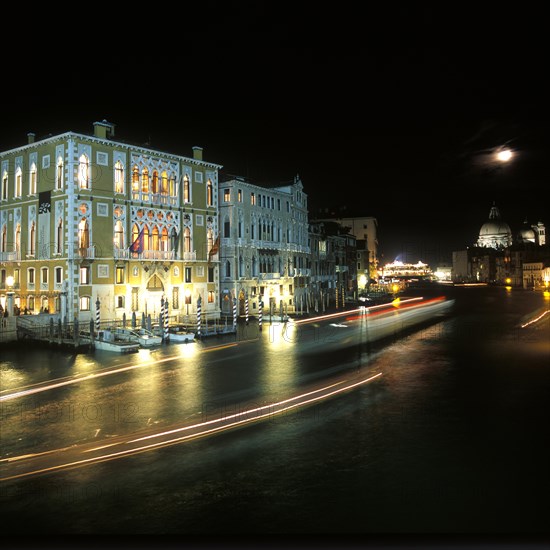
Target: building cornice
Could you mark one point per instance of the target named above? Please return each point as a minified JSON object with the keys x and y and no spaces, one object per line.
{"x":111,"y":143}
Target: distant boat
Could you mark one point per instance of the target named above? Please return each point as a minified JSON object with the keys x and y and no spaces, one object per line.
{"x":141,"y":336}
{"x":106,"y":340}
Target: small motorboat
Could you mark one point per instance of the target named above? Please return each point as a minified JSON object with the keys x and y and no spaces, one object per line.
{"x":176,"y":333}
{"x":143,"y":337}
{"x":106,"y":340}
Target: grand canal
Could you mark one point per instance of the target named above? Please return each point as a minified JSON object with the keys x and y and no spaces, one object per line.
{"x":440,"y":427}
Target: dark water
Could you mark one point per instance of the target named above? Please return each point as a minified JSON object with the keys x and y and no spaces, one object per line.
{"x":453,"y":439}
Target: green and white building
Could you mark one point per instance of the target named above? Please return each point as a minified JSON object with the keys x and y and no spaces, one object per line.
{"x":87,"y":219}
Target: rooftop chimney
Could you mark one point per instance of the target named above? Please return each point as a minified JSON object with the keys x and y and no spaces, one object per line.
{"x":104,"y":129}
{"x":197,"y":153}
{"x":30,"y":137}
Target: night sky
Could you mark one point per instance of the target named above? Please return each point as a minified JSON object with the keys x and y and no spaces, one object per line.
{"x":390,"y":111}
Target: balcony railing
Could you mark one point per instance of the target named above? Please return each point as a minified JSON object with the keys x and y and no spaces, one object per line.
{"x":88,"y":253}
{"x":13,"y":256}
{"x":158,"y":255}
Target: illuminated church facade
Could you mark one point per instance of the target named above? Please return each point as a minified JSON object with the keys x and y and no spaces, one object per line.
{"x":499,"y":255}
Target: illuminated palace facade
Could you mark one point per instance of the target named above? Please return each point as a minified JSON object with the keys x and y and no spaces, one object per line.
{"x":85,"y":219}
{"x":264,"y":246}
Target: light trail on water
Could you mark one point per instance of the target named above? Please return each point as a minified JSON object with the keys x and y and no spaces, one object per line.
{"x":191,"y":432}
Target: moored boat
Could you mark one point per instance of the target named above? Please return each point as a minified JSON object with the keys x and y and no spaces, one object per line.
{"x":141,"y":336}
{"x":176,"y":333}
{"x":106,"y":340}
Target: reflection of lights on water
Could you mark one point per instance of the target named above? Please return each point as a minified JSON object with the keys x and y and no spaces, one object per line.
{"x":148,"y":360}
{"x":188,"y":350}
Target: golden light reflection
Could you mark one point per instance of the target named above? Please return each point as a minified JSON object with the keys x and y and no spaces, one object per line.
{"x":279,"y":352}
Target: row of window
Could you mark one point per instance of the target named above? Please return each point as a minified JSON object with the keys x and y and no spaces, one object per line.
{"x":85,"y":275}
{"x":145,"y":186}
{"x":260,"y":200}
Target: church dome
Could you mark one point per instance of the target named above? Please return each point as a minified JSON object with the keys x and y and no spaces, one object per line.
{"x":495,"y":233}
{"x":496,"y":228}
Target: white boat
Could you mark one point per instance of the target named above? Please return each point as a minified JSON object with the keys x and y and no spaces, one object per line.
{"x":180,"y":334}
{"x":106,"y":340}
{"x":176,"y":333}
{"x":141,"y":336}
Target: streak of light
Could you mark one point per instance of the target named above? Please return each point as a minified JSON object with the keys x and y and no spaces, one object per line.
{"x":266,"y":411}
{"x":351,"y":311}
{"x":536,"y":319}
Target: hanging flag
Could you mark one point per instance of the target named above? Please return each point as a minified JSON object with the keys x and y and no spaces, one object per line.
{"x":214,"y":250}
{"x":43,"y":235}
{"x":137,"y":245}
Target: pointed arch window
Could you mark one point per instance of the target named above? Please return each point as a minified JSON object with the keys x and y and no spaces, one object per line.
{"x":145,"y":180}
{"x":173,"y":187}
{"x":155,"y":183}
{"x":5,"y":186}
{"x":58,"y":236}
{"x":84,"y":172}
{"x":228,"y":268}
{"x":119,"y":235}
{"x":187,"y":240}
{"x":18,"y":238}
{"x":119,"y":177}
{"x":18,"y":183}
{"x":33,"y":180}
{"x":135,"y":182}
{"x":209,"y":193}
{"x":164,"y":183}
{"x":32,"y":239}
{"x":59,"y":174}
{"x":186,"y":191}
{"x":4,"y":242}
{"x":83,"y":234}
{"x":164,"y":240}
{"x":155,"y":243}
{"x":155,"y":284}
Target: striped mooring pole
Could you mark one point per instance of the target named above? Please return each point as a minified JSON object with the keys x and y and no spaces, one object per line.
{"x":246,"y":308}
{"x":199,"y":317}
{"x":165,"y":320}
{"x":260,"y":308}
{"x":161,"y":316}
{"x":97,"y":319}
{"x":234,"y":313}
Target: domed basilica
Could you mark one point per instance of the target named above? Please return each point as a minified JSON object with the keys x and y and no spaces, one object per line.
{"x":496,"y":233}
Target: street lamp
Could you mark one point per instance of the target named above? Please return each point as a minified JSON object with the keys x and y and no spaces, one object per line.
{"x":9,"y":293}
